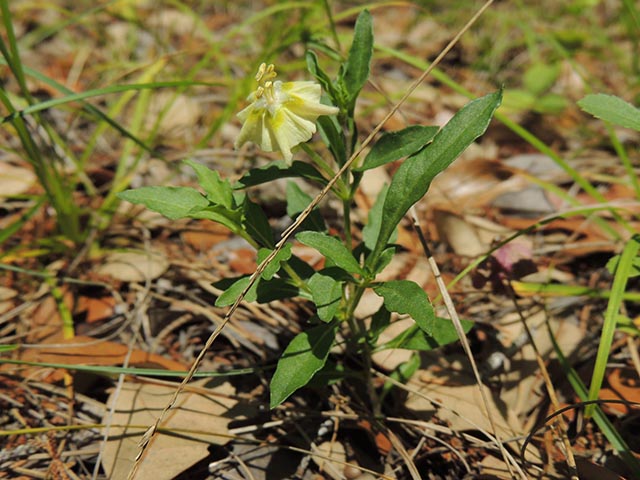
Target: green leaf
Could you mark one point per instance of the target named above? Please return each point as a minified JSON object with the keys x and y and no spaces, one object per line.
{"x":172,"y":202}
{"x":297,"y":201}
{"x":620,"y":279}
{"x":372,"y":228}
{"x":282,"y":256}
{"x":611,"y":109}
{"x":415,"y":339}
{"x":550,"y":103}
{"x":379,"y":322}
{"x":276,"y":289}
{"x":357,"y":66}
{"x":319,"y":74}
{"x":256,"y":224}
{"x":278,"y":170}
{"x":333,"y":136}
{"x":444,"y":332}
{"x":218,"y":191}
{"x":331,"y":248}
{"x":402,"y":373}
{"x":305,"y":355}
{"x":407,"y":297}
{"x":540,"y":77}
{"x":612,"y":266}
{"x":262,"y":291}
{"x":326,"y":290}
{"x":385,"y":258}
{"x":413,"y":178}
{"x":221,"y":215}
{"x":394,"y":145}
{"x":230,"y":295}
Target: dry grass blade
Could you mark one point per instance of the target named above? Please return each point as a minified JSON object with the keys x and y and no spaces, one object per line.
{"x":148,"y":439}
{"x":451,"y":310}
{"x":397,"y":445}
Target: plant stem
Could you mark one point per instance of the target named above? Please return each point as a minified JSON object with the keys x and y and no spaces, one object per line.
{"x":346,"y":209}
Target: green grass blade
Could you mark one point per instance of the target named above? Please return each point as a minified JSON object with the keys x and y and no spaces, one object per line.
{"x":558,"y":290}
{"x":12,"y":228}
{"x":142,"y":372}
{"x":73,"y":97}
{"x":604,"y":424}
{"x":620,"y":279}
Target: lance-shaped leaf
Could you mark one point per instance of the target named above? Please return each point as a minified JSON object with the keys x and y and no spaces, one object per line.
{"x":413,"y":178}
{"x":256,"y":224}
{"x":297,"y":201}
{"x":407,"y":297}
{"x":326,"y":290}
{"x":612,"y":109}
{"x":414,"y":338}
{"x":277,"y":170}
{"x":331,"y":248}
{"x":357,"y":66}
{"x":393,"y":146}
{"x":172,"y":202}
{"x":305,"y":355}
{"x":218,"y":191}
{"x":281,"y":257}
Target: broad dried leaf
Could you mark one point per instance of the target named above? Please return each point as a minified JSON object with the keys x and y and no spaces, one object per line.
{"x":334,"y":450}
{"x":199,"y":418}
{"x":82,"y":350}
{"x":134,"y":266}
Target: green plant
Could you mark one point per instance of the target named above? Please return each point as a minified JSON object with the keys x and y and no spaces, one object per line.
{"x":281,"y":116}
{"x":46,"y":164}
{"x":615,"y":111}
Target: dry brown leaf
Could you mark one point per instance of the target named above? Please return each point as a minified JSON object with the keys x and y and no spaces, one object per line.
{"x":14,"y":180}
{"x":204,"y":235}
{"x":521,"y":387}
{"x":463,"y":407}
{"x":199,"y":418}
{"x":624,"y":386}
{"x":96,"y":309}
{"x":334,"y":450}
{"x":7,"y":296}
{"x":460,"y":235}
{"x":89,"y":351}
{"x":134,"y":266}
{"x":495,"y":468}
{"x":179,"y":113}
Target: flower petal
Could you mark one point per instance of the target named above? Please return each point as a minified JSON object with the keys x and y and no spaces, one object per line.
{"x":282,"y":115}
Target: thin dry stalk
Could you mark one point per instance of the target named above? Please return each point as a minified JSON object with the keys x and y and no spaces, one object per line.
{"x":152,"y":430}
{"x":493,"y":440}
{"x":408,"y":461}
{"x":453,"y":315}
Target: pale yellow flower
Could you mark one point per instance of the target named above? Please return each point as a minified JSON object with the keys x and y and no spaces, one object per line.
{"x":281,"y":115}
